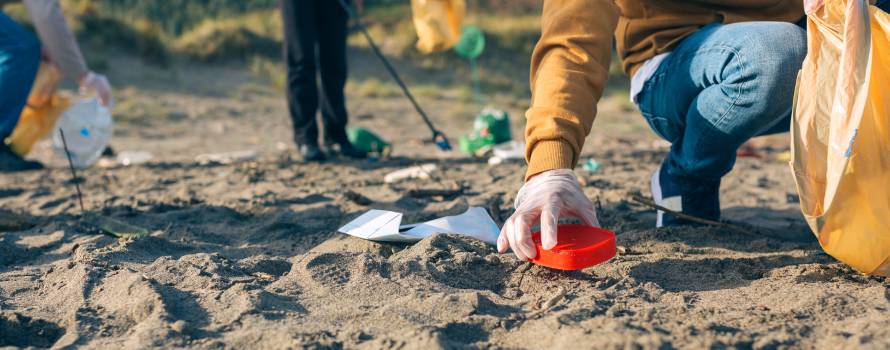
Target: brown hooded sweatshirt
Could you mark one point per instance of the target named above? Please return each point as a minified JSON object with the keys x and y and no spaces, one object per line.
{"x":570,"y":63}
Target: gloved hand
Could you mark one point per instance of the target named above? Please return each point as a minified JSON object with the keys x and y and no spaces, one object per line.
{"x":97,"y":83}
{"x":544,"y":197}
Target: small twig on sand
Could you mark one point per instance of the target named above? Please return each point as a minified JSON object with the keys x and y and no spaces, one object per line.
{"x":549,"y":303}
{"x":73,"y":172}
{"x":561,"y":293}
{"x":648,"y":203}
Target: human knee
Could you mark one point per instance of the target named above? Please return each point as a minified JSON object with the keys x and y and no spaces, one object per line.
{"x":775,"y":54}
{"x":767,"y":69}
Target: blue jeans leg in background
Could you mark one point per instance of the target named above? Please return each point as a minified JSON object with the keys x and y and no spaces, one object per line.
{"x":19,"y":59}
{"x":720,"y":87}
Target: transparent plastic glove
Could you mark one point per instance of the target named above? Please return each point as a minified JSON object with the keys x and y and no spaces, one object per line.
{"x":97,"y":83}
{"x":545,"y":198}
{"x":811,"y":6}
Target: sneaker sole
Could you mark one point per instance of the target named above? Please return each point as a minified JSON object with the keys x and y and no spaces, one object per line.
{"x":655,"y":186}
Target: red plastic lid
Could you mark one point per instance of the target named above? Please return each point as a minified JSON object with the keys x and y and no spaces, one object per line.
{"x":577,"y":247}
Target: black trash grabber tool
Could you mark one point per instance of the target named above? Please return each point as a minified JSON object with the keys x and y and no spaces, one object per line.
{"x":438,"y":137}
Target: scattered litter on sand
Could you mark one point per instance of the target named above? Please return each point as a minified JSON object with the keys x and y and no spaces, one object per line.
{"x":414,"y":172}
{"x":127,"y":158}
{"x":385,"y":226}
{"x":250,"y":257}
{"x":226,"y":157}
{"x":591,"y":165}
{"x":512,"y":150}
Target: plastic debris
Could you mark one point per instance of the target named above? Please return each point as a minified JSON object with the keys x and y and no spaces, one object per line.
{"x":438,"y":23}
{"x":126,"y":158}
{"x":88,"y":128}
{"x":226,"y":157}
{"x":470,"y":46}
{"x":748,"y":150}
{"x":471,"y":43}
{"x":591,"y":165}
{"x":369,"y":142}
{"x":578,"y":247}
{"x":783,"y":157}
{"x":840,"y":134}
{"x":385,"y":226}
{"x":491,"y":127}
{"x":509,"y":150}
{"x":112,"y":227}
{"x":415,"y":172}
{"x":513,"y":150}
{"x":45,"y":105}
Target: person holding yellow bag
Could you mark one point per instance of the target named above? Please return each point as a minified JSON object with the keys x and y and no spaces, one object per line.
{"x":707,"y":76}
{"x":20,"y":56}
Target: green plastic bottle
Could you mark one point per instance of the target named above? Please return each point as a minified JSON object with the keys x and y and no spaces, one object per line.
{"x":368,"y":141}
{"x":491,"y":127}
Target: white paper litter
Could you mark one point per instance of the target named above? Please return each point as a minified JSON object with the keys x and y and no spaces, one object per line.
{"x":415,"y":172}
{"x":513,"y":150}
{"x":385,"y":226}
{"x":509,"y":150}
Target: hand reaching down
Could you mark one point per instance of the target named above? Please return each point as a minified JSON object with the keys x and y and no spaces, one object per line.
{"x":98,"y":84}
{"x":544,"y":198}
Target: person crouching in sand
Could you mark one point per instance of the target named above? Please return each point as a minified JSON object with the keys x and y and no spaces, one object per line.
{"x":707,"y":76}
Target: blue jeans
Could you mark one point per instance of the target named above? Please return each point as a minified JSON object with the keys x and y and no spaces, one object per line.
{"x":19,"y":59}
{"x":720,"y":87}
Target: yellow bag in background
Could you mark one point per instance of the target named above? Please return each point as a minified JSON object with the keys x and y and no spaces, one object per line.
{"x":438,"y":23}
{"x":44,"y":107}
{"x":840,"y":134}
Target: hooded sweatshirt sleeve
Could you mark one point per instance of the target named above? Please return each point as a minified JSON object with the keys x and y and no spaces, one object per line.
{"x":570,"y":65}
{"x":56,"y":36}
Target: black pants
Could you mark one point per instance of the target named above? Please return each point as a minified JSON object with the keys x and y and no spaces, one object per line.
{"x":311,"y":25}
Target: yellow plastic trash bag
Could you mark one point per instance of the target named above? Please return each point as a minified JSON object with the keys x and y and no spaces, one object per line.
{"x":840,"y":135}
{"x":44,"y":107}
{"x":45,"y":84}
{"x":438,"y":23}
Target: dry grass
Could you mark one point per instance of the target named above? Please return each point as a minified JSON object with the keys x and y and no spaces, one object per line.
{"x":254,"y":36}
{"x":241,"y":37}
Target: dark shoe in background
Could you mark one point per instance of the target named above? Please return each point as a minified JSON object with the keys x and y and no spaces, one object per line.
{"x":347,"y":150}
{"x":311,"y":153}
{"x":12,"y":162}
{"x":343,"y":149}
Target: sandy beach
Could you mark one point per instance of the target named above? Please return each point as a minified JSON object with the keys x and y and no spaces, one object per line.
{"x":246,"y":255}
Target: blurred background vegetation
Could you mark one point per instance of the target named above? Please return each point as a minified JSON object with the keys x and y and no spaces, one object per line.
{"x":175,"y":32}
